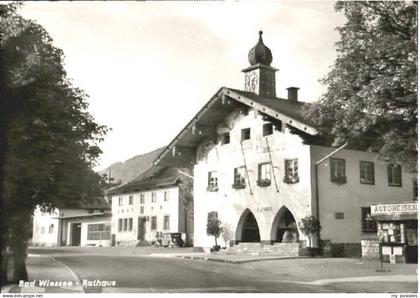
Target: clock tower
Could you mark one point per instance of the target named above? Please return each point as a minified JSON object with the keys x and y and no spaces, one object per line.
{"x":260,"y":77}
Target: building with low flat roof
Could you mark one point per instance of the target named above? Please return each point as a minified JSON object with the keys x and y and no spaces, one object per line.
{"x":86,"y":225}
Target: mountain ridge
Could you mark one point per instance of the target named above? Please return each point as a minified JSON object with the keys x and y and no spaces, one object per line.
{"x":124,"y":171}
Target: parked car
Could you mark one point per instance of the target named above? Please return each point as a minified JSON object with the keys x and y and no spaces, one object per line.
{"x":172,"y":240}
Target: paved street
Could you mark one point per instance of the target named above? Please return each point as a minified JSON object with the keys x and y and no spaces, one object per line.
{"x":146,"y":274}
{"x":147,"y":269}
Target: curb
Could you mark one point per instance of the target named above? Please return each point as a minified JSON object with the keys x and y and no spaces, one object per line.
{"x":368,"y":278}
{"x":236,"y":261}
{"x":8,"y":288}
{"x":80,"y":287}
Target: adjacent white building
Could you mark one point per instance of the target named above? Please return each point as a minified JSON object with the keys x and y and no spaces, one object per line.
{"x":260,"y":167}
{"x":87,"y":225}
{"x":158,"y":201}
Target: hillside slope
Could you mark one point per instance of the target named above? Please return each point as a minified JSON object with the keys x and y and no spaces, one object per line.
{"x":125,"y":171}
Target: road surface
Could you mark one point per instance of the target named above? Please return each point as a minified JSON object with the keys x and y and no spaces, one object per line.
{"x":114,"y":270}
{"x":162,"y":275}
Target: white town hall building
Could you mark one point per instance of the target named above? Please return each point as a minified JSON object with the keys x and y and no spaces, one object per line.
{"x":260,"y":167}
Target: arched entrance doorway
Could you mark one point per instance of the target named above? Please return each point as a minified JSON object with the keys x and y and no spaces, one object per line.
{"x":247,"y":230}
{"x":284,"y":227}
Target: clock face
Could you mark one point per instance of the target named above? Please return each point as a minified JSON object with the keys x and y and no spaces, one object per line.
{"x":251,"y":81}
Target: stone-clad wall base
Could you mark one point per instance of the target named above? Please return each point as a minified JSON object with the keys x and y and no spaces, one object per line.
{"x":346,"y":250}
{"x":256,"y":248}
{"x":370,"y":249}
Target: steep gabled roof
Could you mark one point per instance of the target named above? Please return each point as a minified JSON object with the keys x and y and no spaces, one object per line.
{"x":155,"y":177}
{"x":181,"y":149}
{"x":287,"y":108}
{"x":99,"y":203}
{"x":96,"y":203}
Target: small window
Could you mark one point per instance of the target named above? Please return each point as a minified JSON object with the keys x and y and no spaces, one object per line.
{"x":394,"y":175}
{"x":212,"y":215}
{"x":120,"y":201}
{"x":130,"y":200}
{"x":153,"y":197}
{"x":264,"y":174}
{"x":153,"y":224}
{"x":141,"y":209}
{"x":339,"y":215}
{"x":125,"y":222}
{"x":142,"y":198}
{"x":120,"y":225}
{"x":367,"y":172}
{"x":368,"y":223}
{"x":267,"y":129}
{"x":51,"y":229}
{"x":212,"y":181}
{"x":42,"y":230}
{"x":90,"y":211}
{"x":291,"y":171}
{"x":166,"y":222}
{"x":279,"y":126}
{"x":338,"y":170}
{"x":415,"y":189}
{"x":225,"y":138}
{"x":166,"y":196}
{"x":245,"y":134}
{"x":130,"y":224}
{"x":239,"y":178}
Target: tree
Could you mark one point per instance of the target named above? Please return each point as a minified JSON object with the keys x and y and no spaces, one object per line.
{"x":309,"y":225}
{"x":48,"y":139}
{"x":214,"y":227}
{"x":371,"y":97}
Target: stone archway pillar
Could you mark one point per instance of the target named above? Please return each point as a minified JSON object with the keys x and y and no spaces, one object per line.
{"x":265,"y":234}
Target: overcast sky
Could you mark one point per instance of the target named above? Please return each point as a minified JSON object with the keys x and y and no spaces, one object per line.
{"x":148,"y":67}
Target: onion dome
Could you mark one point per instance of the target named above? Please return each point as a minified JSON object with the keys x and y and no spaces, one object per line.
{"x":260,"y":53}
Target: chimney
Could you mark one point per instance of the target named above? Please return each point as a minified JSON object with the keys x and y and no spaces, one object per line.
{"x":292,"y":94}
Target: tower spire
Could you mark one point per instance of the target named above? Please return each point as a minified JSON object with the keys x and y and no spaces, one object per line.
{"x":260,"y":76}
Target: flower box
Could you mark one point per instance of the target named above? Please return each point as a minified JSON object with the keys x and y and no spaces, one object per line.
{"x":212,"y":188}
{"x":291,"y":180}
{"x":264,"y":182}
{"x":238,"y":186}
